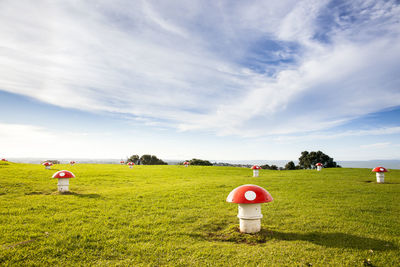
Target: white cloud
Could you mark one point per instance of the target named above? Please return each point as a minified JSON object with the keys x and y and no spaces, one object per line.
{"x":184,"y":64}
{"x":23,"y":140}
{"x":299,"y":23}
{"x":20,"y":132}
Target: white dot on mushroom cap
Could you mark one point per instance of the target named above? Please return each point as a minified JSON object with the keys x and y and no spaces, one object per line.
{"x":62,"y":174}
{"x":381,"y":169}
{"x":250,"y":195}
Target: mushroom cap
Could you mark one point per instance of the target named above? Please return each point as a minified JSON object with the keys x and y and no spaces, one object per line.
{"x":3,"y":160}
{"x":63,"y":174}
{"x":379,"y":169}
{"x":72,"y":162}
{"x":249,"y":194}
{"x":256,"y":167}
{"x":122,"y":161}
{"x":47,"y":163}
{"x":318,"y":164}
{"x":131,"y":163}
{"x":186,"y":163}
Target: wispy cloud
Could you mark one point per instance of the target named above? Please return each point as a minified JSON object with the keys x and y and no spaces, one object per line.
{"x":248,"y":69}
{"x":376,"y":145}
{"x":328,"y":135}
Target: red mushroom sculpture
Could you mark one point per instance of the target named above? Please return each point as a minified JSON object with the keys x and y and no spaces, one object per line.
{"x":47,"y":165}
{"x":249,"y":197}
{"x":380,"y":174}
{"x":255,"y":169}
{"x":63,"y":180}
{"x":130,"y":164}
{"x":72,"y":163}
{"x":4,"y":160}
{"x":319,"y":166}
{"x":186,"y":163}
{"x":122,"y":162}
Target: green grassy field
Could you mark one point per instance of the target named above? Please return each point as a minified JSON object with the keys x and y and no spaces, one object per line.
{"x":171,"y":215}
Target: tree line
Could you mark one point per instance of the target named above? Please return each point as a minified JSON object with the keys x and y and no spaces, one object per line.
{"x":307,"y":160}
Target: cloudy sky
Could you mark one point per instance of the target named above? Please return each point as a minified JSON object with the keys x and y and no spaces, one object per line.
{"x":209,"y":79}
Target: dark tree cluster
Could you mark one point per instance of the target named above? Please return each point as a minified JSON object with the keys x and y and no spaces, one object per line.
{"x":54,"y":161}
{"x":146,"y":160}
{"x":308,"y":160}
{"x":290,"y":166}
{"x":134,"y":158}
{"x":268,"y":167}
{"x":200,"y":162}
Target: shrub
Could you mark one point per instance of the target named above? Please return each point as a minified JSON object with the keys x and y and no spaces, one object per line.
{"x":200,"y":162}
{"x":146,"y":160}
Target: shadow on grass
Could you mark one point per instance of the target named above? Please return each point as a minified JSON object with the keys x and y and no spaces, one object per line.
{"x":37,"y":193}
{"x":339,"y":240}
{"x":336,"y":240}
{"x":77,"y":194}
{"x":374,"y":182}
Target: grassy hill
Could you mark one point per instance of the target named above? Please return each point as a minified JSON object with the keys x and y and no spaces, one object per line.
{"x":171,"y":215}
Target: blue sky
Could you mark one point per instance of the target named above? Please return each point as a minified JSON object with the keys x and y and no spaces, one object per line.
{"x":220,"y":80}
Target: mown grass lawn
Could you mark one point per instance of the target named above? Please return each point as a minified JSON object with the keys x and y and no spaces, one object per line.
{"x":171,"y":215}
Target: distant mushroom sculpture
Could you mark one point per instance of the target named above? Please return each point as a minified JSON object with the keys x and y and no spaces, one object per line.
{"x":255,"y":169}
{"x":4,"y":160}
{"x":63,"y":180}
{"x":122,"y":162}
{"x":249,"y":197}
{"x":319,"y":166}
{"x":186,"y":163}
{"x":380,"y":174}
{"x":72,"y":163}
{"x":130,"y":164}
{"x":47,"y":165}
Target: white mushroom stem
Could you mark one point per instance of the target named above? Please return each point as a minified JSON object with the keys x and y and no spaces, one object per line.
{"x":63,"y":184}
{"x":130,"y":166}
{"x":255,"y":173}
{"x":47,"y":167}
{"x":250,"y":218}
{"x":380,"y":177}
{"x":319,"y":168}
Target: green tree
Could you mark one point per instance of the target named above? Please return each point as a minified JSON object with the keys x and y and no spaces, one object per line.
{"x":273,"y":167}
{"x":308,"y":160}
{"x":200,"y":162}
{"x":157,"y":161}
{"x":145,"y":159}
{"x":151,"y":160}
{"x":133,"y":158}
{"x":54,"y":161}
{"x":304,"y":161}
{"x":265,"y":167}
{"x":290,"y":166}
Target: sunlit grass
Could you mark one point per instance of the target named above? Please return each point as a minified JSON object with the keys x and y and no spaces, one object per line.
{"x":172,"y":215}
